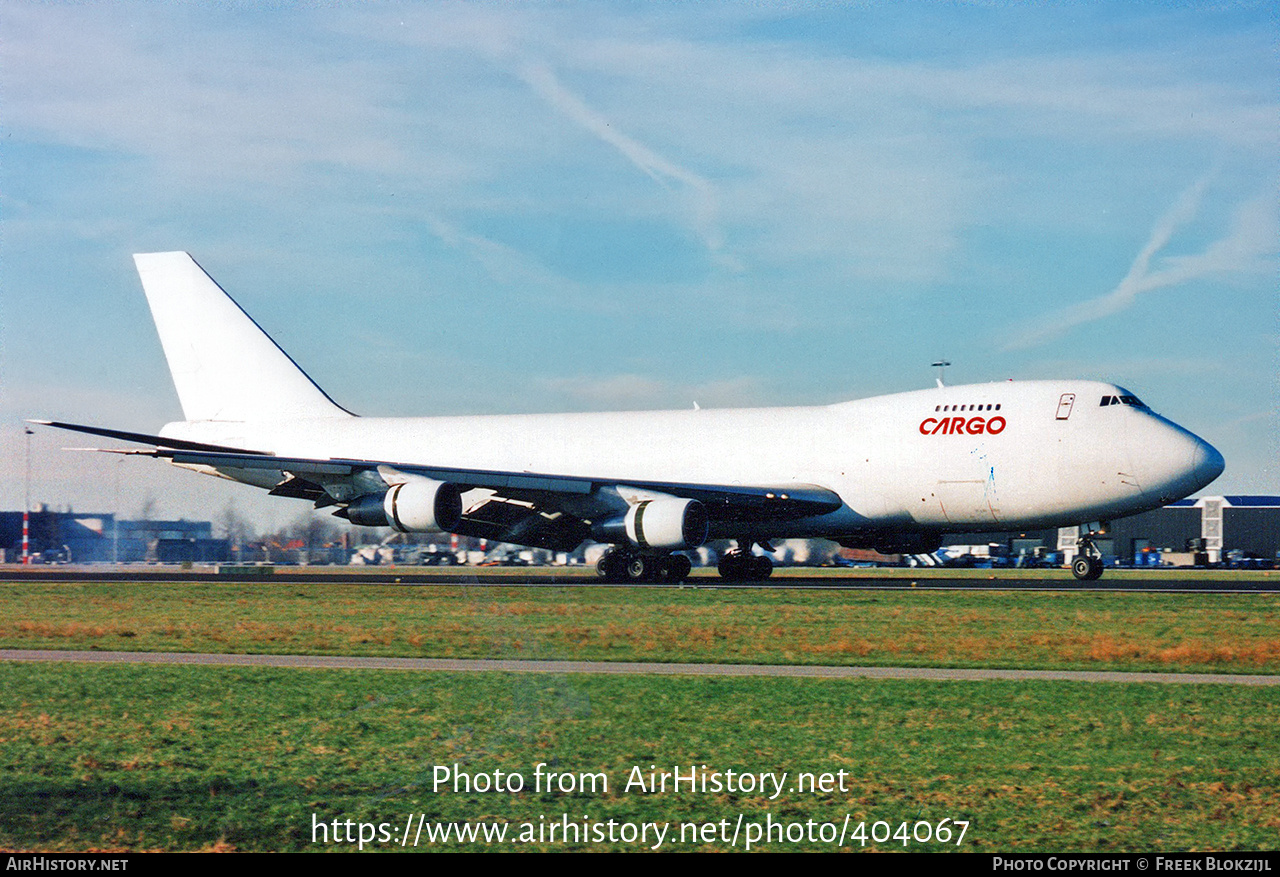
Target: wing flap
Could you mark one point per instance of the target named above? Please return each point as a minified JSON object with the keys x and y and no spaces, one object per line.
{"x":501,"y":521}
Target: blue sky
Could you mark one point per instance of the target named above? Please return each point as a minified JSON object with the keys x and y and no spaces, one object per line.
{"x":552,"y":207}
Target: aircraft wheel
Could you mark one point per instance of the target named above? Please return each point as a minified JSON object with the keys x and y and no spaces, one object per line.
{"x":1095,"y":568}
{"x":661,"y":571}
{"x":610,"y":567}
{"x":731,"y":568}
{"x":641,"y":569}
{"x":1081,"y":567}
{"x":678,"y":568}
{"x":761,"y":568}
{"x":735,"y":567}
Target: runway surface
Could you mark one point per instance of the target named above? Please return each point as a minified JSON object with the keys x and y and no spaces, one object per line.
{"x":1164,"y":581}
{"x":333,"y":662}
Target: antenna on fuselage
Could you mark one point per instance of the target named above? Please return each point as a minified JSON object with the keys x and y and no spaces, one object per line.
{"x":940,"y":365}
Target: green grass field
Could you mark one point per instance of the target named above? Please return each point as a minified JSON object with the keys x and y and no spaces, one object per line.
{"x":1068,"y":630}
{"x":185,"y":758}
{"x":131,"y":757}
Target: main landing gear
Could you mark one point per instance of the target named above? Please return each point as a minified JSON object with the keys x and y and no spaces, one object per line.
{"x":1087,"y":567}
{"x":740,"y":565}
{"x":626,"y":564}
{"x":629,"y":565}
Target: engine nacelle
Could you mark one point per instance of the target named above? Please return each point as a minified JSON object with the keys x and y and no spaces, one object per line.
{"x":670,"y":524}
{"x":415,"y":506}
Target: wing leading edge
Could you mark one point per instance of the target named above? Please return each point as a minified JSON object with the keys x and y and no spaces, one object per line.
{"x":549,"y":510}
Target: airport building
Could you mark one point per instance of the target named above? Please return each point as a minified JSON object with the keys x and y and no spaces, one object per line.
{"x":71,"y":537}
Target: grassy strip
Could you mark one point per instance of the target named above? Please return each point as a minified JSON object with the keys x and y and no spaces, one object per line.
{"x":181,"y":758}
{"x":1072,"y":630}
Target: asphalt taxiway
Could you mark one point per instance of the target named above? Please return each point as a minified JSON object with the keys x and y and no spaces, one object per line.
{"x":1208,"y":581}
{"x":625,"y":668}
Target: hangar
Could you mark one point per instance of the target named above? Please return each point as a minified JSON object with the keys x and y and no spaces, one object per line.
{"x":71,"y":537}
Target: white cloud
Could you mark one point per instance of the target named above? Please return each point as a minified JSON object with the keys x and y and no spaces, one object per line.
{"x":635,"y":391}
{"x":506,"y":265}
{"x":865,"y":169}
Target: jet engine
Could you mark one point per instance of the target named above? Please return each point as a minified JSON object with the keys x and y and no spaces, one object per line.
{"x":410,"y":507}
{"x":670,"y":524}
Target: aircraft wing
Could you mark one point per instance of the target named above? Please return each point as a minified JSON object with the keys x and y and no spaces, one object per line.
{"x":530,"y":508}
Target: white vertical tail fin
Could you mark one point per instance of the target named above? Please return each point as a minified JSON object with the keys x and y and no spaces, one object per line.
{"x":224,"y":366}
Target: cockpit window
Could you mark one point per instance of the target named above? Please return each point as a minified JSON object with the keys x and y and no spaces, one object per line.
{"x":1121,"y":400}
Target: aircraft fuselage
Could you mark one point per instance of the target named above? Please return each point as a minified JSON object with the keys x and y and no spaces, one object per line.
{"x":998,"y":456}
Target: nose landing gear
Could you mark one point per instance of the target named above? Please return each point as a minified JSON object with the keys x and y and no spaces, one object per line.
{"x":1087,"y":567}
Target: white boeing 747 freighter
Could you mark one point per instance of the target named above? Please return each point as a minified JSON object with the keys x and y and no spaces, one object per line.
{"x":892,"y":473}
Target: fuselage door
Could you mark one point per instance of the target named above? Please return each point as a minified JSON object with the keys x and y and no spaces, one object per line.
{"x":1064,"y":405}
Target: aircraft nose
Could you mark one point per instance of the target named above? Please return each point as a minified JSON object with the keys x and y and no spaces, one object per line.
{"x":1174,"y":463}
{"x":1206,"y":462}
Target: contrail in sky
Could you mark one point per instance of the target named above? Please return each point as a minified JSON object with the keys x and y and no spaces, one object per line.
{"x":658,"y":168}
{"x":1251,"y":238}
